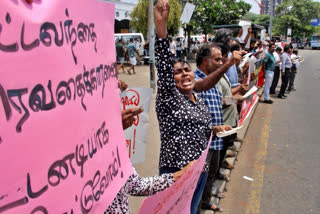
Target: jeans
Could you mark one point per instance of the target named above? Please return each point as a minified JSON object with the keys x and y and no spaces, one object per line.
{"x":275,"y":80}
{"x":267,"y":83}
{"x":198,"y":191}
{"x":213,"y":160}
{"x":178,"y":54}
{"x":285,"y":79}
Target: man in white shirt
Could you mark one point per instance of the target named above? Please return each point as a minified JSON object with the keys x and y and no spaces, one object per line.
{"x":172,"y":47}
{"x":178,"y":48}
{"x":276,"y":76}
{"x":138,"y":46}
{"x":295,"y":65}
{"x":286,"y":65}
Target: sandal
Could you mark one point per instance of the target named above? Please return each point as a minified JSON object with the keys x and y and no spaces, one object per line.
{"x":128,"y":72}
{"x":224,"y":177}
{"x":210,"y":205}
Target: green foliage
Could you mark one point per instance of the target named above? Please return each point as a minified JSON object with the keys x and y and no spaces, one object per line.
{"x":296,"y":14}
{"x":249,"y":16}
{"x":174,"y":17}
{"x":215,"y":12}
{"x":139,"y":17}
{"x":263,"y":20}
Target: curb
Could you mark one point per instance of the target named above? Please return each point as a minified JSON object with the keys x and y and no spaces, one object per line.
{"x":221,"y":184}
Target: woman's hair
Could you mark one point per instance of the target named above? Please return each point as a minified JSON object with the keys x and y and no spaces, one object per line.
{"x":182,"y":62}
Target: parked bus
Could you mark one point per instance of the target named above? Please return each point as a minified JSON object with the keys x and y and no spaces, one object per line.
{"x":126,"y":39}
{"x":315,"y":41}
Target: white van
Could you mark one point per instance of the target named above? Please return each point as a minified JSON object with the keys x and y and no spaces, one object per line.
{"x":126,"y":39}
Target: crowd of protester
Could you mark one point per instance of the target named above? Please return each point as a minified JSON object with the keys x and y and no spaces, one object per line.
{"x":128,"y":52}
{"x":191,"y":105}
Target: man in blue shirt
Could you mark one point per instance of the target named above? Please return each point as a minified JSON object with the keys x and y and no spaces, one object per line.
{"x":208,"y":73}
{"x":268,"y":67}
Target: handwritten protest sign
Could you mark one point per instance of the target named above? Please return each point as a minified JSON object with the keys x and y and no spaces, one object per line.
{"x":136,"y":134}
{"x":62,"y":148}
{"x":245,"y":26}
{"x":177,"y":198}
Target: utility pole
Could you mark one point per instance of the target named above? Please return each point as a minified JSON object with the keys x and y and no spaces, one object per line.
{"x":151,"y":43}
{"x":271,"y":16}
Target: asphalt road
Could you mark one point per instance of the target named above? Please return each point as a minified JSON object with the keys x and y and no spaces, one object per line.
{"x":281,"y":152}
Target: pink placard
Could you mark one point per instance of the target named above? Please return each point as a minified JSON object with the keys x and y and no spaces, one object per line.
{"x":177,"y":198}
{"x":62,"y":148}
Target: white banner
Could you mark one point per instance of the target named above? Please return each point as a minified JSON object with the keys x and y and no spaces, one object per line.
{"x":136,"y":134}
{"x":187,"y":13}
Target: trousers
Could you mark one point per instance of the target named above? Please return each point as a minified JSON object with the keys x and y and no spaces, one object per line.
{"x":292,"y":77}
{"x":267,"y":83}
{"x":284,"y":80}
{"x":275,"y":80}
{"x":213,"y":159}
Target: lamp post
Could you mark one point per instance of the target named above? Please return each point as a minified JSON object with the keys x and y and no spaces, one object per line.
{"x":271,"y":16}
{"x":289,"y":30}
{"x":151,"y":43}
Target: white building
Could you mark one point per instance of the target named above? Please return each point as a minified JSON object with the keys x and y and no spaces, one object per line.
{"x":123,"y":9}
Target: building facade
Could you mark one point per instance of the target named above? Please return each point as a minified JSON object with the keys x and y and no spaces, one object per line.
{"x":266,"y":6}
{"x":123,"y":9}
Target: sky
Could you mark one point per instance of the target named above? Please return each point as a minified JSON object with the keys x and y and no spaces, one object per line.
{"x":254,"y":6}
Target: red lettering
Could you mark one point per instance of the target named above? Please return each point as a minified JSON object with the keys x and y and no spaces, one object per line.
{"x":128,"y":144}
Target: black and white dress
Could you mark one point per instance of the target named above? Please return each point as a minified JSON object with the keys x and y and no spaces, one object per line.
{"x":138,"y":186}
{"x":185,"y":126}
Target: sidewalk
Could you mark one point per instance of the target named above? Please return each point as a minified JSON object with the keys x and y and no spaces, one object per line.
{"x":150,"y":166}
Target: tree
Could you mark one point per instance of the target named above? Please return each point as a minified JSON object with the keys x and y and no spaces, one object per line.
{"x":139,"y":17}
{"x":296,"y":14}
{"x":263,"y":20}
{"x":215,"y":12}
{"x":249,"y":16}
{"x":174,"y":22}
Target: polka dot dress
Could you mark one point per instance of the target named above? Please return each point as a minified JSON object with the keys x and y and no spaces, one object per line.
{"x":138,"y":186}
{"x":184,"y":126}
